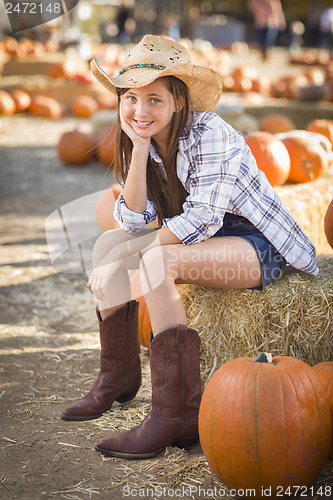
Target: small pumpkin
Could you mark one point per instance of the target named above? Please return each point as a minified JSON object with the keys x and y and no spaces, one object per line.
{"x":324,"y":127}
{"x":276,"y":123}
{"x":7,"y":103}
{"x":84,"y":106}
{"x":22,"y":100}
{"x":76,"y":148}
{"x":105,"y":206}
{"x":106,"y":146}
{"x":265,"y":424}
{"x":328,"y":224}
{"x":271,"y":155}
{"x":324,"y":371}
{"x":45,"y":107}
{"x":309,"y":154}
{"x":144,"y":319}
{"x":64,"y":69}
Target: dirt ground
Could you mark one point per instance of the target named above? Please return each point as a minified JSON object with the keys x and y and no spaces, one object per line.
{"x":49,"y":347}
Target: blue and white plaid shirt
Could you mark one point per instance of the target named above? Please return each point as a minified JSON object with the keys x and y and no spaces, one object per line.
{"x":219,"y":172}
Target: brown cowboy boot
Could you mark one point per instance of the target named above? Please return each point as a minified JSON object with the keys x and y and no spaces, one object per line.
{"x":119,"y":378}
{"x":176,"y":395}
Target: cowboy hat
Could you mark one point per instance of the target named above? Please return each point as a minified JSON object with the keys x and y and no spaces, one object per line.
{"x":155,"y":57}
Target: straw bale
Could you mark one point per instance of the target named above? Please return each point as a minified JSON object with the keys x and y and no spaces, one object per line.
{"x":291,"y":317}
{"x":308,"y":203}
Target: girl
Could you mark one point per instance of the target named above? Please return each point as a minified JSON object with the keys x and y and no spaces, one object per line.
{"x":220,"y":225}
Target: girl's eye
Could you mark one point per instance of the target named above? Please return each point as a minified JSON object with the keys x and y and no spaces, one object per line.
{"x":155,"y":101}
{"x":131,"y":98}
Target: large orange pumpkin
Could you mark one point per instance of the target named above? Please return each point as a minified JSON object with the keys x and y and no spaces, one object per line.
{"x":309,"y":154}
{"x":45,"y":107}
{"x":7,"y":103}
{"x":144,"y":319}
{"x":271,"y":155}
{"x":276,"y":123}
{"x":265,"y":426}
{"x":105,"y":206}
{"x":76,"y":148}
{"x":328,"y":224}
{"x":324,"y":127}
{"x":324,"y":371}
{"x":106,"y":146}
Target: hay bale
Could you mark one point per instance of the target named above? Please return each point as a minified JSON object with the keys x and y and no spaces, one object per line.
{"x":291,"y":317}
{"x":308,"y":203}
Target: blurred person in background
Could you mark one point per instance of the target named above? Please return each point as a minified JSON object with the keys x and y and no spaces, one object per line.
{"x":269,"y":20}
{"x":326,"y":28}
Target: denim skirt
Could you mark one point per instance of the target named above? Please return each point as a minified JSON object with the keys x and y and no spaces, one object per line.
{"x":272,"y":263}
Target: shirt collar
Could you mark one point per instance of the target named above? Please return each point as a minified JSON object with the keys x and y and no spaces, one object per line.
{"x":195,"y":126}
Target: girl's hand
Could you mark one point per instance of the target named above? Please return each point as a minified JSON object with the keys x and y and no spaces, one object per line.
{"x":100,"y":280}
{"x":129,"y":131}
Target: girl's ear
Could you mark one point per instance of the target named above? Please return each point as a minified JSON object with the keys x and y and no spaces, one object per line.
{"x":180,"y":104}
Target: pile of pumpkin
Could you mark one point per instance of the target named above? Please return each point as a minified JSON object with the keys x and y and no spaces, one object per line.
{"x":83,"y":106}
{"x":286,"y":154}
{"x":312,"y":85}
{"x":11,"y":48}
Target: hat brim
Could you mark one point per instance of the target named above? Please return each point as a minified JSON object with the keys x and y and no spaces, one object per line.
{"x":204,"y":84}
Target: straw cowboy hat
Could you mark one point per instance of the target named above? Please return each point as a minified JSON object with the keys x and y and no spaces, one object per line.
{"x":154,"y":57}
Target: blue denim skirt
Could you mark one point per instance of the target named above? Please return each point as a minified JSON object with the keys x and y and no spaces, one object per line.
{"x":272,"y":263}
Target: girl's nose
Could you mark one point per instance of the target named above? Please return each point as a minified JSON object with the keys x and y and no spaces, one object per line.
{"x":141,"y":109}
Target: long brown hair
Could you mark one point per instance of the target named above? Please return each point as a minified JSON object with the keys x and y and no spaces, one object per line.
{"x":167,"y":196}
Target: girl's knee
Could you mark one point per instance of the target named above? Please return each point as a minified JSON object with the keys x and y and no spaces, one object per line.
{"x":156,"y":267}
{"x":105,"y":242}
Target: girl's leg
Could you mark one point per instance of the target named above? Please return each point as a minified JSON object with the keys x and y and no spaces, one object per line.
{"x":225,"y":262}
{"x":119,"y":290}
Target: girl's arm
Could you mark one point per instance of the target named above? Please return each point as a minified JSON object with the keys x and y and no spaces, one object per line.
{"x":135,"y":189}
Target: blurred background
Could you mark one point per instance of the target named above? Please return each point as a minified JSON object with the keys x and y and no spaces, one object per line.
{"x":218,"y":21}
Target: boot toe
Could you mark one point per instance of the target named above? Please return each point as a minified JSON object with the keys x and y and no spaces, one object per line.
{"x":77,"y":412}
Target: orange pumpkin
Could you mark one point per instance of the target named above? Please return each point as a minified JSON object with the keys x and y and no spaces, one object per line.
{"x":84,"y":106}
{"x":45,"y":107}
{"x":76,"y":148}
{"x":328,"y":224}
{"x":262,"y":84}
{"x":265,"y":425}
{"x":105,"y":206}
{"x":106,"y":146}
{"x":10,"y":45}
{"x":309,"y":154}
{"x":271,"y":155}
{"x":276,"y":123}
{"x":324,"y":127}
{"x":144,"y":320}
{"x":7,"y":103}
{"x":22,"y":100}
{"x":324,"y":371}
{"x":65,"y":69}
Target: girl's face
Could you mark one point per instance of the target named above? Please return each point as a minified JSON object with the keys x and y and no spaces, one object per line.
{"x":149,"y":111}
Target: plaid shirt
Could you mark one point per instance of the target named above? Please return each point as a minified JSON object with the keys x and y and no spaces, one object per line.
{"x":219,"y":172}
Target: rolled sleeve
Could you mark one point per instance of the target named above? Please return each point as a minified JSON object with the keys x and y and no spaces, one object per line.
{"x":133,"y":222}
{"x":214,"y":171}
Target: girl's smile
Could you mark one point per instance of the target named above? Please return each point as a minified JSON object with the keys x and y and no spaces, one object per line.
{"x":149,"y":110}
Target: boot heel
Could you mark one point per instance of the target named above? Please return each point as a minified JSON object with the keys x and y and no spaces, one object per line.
{"x":186,"y":443}
{"x":127,"y":396}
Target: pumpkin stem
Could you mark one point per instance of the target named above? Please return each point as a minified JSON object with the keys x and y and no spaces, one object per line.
{"x":264,"y":357}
